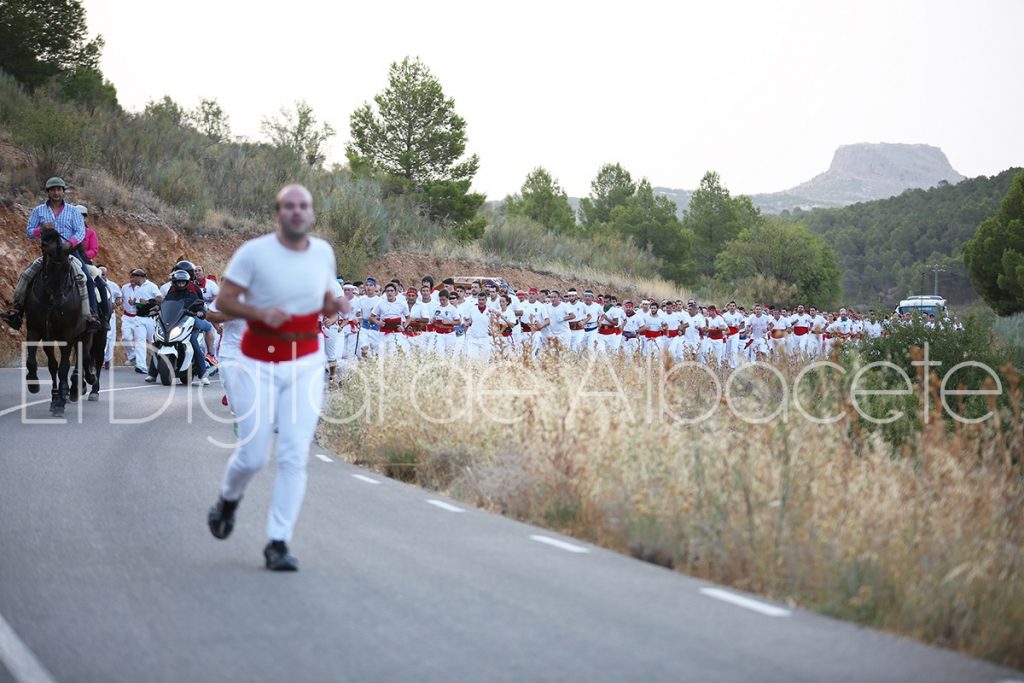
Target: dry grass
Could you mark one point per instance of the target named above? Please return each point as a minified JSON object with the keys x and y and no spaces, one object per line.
{"x":827,"y":517}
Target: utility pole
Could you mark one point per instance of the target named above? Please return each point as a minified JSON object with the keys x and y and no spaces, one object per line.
{"x":936,"y":269}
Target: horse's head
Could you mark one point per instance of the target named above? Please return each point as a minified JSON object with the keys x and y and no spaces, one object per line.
{"x":53,"y":246}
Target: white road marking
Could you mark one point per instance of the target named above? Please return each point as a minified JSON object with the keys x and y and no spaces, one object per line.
{"x":368,"y":480}
{"x":756,"y":605}
{"x":559,"y":544}
{"x":321,"y":456}
{"x":444,"y":506}
{"x":22,"y":406}
{"x":18,"y":659}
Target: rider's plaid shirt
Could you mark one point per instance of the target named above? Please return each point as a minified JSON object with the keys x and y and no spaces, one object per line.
{"x":69,"y":224}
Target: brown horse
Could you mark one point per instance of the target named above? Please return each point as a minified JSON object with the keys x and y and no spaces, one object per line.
{"x":53,"y":317}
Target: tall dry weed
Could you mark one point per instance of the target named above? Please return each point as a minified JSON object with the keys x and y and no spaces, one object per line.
{"x":825,"y":516}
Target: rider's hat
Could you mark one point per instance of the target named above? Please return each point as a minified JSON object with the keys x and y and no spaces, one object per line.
{"x":180,"y":276}
{"x":55,"y":182}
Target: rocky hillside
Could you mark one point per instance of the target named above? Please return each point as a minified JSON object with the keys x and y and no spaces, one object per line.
{"x":865,"y":172}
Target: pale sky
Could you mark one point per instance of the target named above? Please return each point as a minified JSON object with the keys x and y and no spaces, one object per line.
{"x":762,"y":92}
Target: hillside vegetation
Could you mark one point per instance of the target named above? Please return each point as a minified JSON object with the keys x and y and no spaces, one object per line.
{"x":887,"y":247}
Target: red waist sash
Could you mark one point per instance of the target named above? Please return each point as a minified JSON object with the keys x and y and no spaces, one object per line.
{"x":800,"y":330}
{"x":672,"y":333}
{"x":733,"y":330}
{"x":651,"y":334}
{"x":295,"y":338}
{"x":716,"y":334}
{"x":390,"y":325}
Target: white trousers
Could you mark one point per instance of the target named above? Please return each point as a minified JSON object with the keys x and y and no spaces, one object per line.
{"x":609,"y":343}
{"x":138,"y":330}
{"x":445,"y":344}
{"x":287,"y":395}
{"x":391,"y":342}
{"x":561,"y":340}
{"x":331,"y":343}
{"x":478,"y":348}
{"x":108,"y":352}
{"x":714,"y":351}
{"x":576,"y":340}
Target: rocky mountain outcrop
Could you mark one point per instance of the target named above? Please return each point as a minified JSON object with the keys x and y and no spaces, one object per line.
{"x":864,"y":172}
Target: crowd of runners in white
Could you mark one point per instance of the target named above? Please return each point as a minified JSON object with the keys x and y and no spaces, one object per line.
{"x":482,"y":319}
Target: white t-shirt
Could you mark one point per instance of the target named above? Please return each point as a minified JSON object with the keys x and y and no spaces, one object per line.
{"x":131,"y":294}
{"x":366,"y":305}
{"x":230,"y":337}
{"x":494,"y":304}
{"x":673,"y":320}
{"x":695,"y":322}
{"x":448,"y":315}
{"x":632,"y":323}
{"x":758,"y":324}
{"x":717,"y":322}
{"x":480,"y":322}
{"x":211,"y":289}
{"x":800,"y":320}
{"x":534,"y":314}
{"x":654,"y":321}
{"x":733,"y":319}
{"x":386,"y":310}
{"x":594,"y":310}
{"x":557,"y":315}
{"x":616,"y":315}
{"x":780,"y":323}
{"x":818,"y":323}
{"x":274,"y":276}
{"x":841,"y":326}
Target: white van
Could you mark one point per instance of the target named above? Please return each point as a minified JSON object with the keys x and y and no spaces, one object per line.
{"x":924,"y":304}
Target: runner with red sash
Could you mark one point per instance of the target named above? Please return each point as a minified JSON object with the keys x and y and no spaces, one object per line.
{"x":280,"y":283}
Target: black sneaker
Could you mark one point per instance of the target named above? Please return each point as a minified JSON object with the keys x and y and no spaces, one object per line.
{"x":222,"y":518}
{"x":279,"y":559}
{"x":140,"y":371}
{"x":12,"y":318}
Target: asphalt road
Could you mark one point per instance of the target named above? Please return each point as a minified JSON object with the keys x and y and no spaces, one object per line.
{"x":108,"y":573}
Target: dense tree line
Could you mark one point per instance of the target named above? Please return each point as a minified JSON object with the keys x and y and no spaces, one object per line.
{"x":887,"y":248}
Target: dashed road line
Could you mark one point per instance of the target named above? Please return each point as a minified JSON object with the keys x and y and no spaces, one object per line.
{"x":570,"y":547}
{"x":368,"y":480}
{"x":444,"y":506}
{"x":322,"y":457}
{"x":748,"y":603}
{"x":18,"y":659}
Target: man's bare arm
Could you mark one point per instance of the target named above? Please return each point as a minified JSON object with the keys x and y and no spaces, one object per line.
{"x":229,"y":303}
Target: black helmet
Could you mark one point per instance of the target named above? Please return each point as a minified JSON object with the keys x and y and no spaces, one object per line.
{"x":187,"y":267}
{"x":180,"y":279}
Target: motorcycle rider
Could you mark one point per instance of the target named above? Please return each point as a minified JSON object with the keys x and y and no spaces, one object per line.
{"x":182,"y":289}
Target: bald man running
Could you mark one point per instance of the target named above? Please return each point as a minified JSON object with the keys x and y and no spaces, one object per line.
{"x":279,"y":283}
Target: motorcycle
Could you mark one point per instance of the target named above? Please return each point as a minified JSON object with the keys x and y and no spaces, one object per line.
{"x":174,"y":356}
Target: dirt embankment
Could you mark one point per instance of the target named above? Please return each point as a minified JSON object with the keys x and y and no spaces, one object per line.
{"x":127,"y":241}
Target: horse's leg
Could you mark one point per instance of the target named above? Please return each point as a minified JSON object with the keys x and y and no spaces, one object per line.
{"x":98,"y":351}
{"x":51,"y":364}
{"x":32,"y":362}
{"x":85,"y":343}
{"x":63,"y":387}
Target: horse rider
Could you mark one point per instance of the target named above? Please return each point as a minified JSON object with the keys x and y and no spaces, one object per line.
{"x":54,"y":215}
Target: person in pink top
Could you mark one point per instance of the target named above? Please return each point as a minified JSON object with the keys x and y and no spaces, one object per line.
{"x":91,"y":243}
